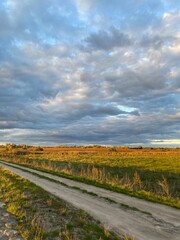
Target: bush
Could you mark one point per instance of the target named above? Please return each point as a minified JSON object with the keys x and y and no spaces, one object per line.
{"x":39,"y":148}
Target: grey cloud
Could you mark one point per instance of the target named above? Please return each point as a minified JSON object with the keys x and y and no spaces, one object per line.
{"x":7,"y":124}
{"x":135,"y":84}
{"x":74,"y":112}
{"x":138,"y":130}
{"x":107,"y":40}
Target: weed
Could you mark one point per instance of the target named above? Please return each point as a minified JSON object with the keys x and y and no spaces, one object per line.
{"x":65,"y":234}
{"x":164,"y":186}
{"x":107,"y":231}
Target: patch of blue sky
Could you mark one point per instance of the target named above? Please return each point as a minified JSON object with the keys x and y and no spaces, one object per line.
{"x":4,"y":5}
{"x":49,"y":41}
{"x":126,"y":108}
{"x":17,"y":43}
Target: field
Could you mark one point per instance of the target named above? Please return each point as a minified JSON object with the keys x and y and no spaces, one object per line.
{"x":149,"y":173}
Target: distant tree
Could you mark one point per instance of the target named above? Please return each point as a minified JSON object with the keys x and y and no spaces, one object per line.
{"x":138,"y":147}
{"x":39,"y":148}
{"x":10,"y":146}
{"x":113,"y":149}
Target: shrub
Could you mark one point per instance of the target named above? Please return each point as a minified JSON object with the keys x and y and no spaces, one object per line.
{"x":39,"y":148}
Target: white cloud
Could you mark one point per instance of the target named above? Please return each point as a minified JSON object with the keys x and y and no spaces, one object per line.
{"x":166,"y":142}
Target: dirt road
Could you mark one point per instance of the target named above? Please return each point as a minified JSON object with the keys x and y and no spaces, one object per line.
{"x":149,"y":221}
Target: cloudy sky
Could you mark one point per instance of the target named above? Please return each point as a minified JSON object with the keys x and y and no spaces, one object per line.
{"x":90,"y":72}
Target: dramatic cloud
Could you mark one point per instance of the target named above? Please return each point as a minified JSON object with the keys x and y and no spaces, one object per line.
{"x":90,"y":72}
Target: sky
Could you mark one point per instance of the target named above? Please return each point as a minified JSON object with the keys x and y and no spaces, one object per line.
{"x":80,"y":72}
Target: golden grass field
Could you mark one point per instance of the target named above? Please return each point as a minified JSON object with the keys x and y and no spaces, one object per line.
{"x":150,"y":173}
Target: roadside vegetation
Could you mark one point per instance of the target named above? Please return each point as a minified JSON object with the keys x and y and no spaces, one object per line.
{"x":152,"y":174}
{"x":42,"y":216}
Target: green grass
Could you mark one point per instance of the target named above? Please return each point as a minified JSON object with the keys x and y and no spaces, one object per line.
{"x":152,"y":174}
{"x":121,"y":205}
{"x":43,"y":216}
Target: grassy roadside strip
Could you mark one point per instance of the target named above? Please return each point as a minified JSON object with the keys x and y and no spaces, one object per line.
{"x":149,"y":196}
{"x":43,"y":216}
{"x":140,"y":194}
{"x":121,"y":205}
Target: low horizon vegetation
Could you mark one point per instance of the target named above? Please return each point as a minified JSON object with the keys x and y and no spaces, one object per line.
{"x":149,"y":173}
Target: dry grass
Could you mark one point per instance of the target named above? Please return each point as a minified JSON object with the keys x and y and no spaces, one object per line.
{"x":149,"y":173}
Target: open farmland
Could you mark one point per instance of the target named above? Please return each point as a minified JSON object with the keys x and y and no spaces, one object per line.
{"x":153,"y":174}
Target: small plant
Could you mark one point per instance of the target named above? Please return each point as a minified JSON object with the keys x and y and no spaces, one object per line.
{"x":128,"y":238}
{"x":164,"y":187}
{"x":137,"y":184}
{"x":65,"y":234}
{"x":49,"y":202}
{"x":107,"y":231}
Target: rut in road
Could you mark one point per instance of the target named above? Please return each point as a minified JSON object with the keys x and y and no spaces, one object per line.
{"x":148,"y":221}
